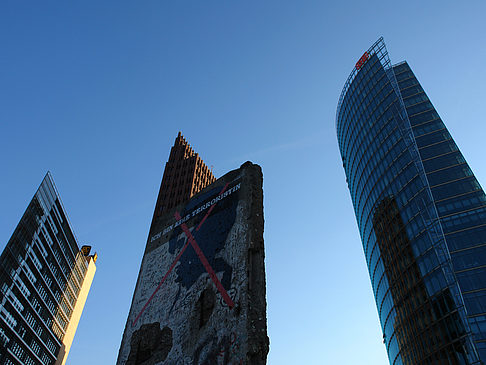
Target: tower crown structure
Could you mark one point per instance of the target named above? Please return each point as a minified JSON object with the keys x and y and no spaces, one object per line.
{"x":184,"y":176}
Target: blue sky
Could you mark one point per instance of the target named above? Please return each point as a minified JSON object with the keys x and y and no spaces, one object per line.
{"x":96,"y":91}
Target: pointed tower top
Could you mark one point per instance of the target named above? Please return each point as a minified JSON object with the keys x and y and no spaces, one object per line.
{"x":185,"y":174}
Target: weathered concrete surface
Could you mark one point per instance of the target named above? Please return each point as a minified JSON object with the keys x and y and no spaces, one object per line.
{"x":211,"y":319}
{"x":150,"y":345}
{"x":257,"y":303}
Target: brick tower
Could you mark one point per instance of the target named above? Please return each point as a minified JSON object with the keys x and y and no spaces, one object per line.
{"x":185,"y":174}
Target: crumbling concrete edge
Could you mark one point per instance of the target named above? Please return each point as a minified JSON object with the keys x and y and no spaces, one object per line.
{"x":258,"y":341}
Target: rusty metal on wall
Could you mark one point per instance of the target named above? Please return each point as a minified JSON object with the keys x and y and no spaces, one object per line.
{"x":200,"y":294}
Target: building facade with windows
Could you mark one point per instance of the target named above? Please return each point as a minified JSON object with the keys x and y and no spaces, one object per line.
{"x":185,"y":175}
{"x":44,"y":282}
{"x":421,"y":214}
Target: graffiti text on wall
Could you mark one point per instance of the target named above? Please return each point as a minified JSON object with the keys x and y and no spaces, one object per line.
{"x":196,"y":211}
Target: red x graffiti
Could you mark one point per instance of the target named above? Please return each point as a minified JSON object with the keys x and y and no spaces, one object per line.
{"x":200,"y":254}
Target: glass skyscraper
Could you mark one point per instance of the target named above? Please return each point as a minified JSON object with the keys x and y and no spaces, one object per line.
{"x":44,"y":282}
{"x":421,"y":214}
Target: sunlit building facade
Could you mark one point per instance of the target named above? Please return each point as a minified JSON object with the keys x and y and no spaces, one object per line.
{"x":185,"y":175}
{"x":44,"y":280}
{"x":421,"y":214}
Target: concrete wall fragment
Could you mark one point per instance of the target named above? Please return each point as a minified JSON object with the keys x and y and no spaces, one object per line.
{"x":200,"y":297}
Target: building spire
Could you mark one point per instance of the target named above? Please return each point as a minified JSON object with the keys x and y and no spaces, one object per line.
{"x":185,"y":175}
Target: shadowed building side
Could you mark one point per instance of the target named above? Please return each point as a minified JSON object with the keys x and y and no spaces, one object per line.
{"x":428,"y":329}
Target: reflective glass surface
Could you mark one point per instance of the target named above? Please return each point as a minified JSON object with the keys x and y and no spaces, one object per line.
{"x":414,"y":197}
{"x":41,"y":273}
{"x":460,"y":200}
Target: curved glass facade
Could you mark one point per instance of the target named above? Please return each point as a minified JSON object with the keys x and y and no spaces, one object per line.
{"x":420,"y":213}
